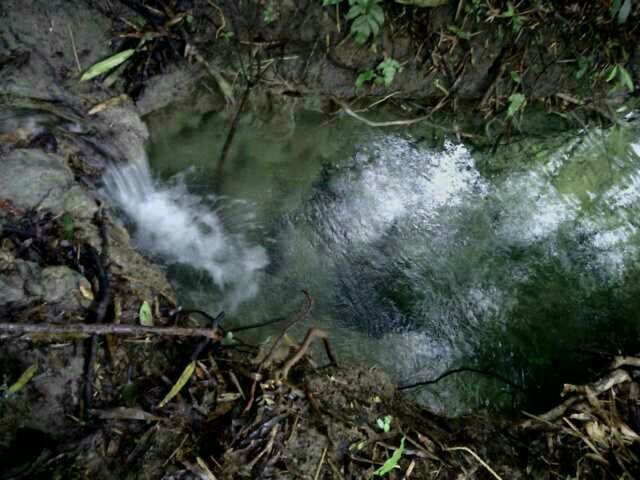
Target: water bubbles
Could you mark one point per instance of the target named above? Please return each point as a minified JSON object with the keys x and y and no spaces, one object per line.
{"x":186,"y":229}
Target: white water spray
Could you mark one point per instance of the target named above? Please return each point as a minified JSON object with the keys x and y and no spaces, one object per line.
{"x":183,"y":228}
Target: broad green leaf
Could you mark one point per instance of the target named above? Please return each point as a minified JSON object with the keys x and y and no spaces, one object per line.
{"x":392,"y":462}
{"x":23,"y":380}
{"x":182,"y":381}
{"x":146,"y":318}
{"x":612,"y":73}
{"x":624,"y":12}
{"x":377,"y":13}
{"x":625,"y":78}
{"x":106,"y":65}
{"x":364,"y":77}
{"x":516,"y":102}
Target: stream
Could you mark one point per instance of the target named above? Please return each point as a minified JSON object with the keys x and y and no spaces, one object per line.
{"x":423,"y":254}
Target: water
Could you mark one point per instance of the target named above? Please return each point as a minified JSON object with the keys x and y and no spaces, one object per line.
{"x":422,"y":254}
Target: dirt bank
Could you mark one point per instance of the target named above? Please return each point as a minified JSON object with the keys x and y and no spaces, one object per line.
{"x":106,"y":404}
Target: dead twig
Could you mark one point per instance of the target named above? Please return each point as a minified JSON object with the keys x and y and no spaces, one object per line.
{"x":477,"y":457}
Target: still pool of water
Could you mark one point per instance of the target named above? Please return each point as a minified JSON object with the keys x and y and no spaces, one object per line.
{"x":422,"y":254}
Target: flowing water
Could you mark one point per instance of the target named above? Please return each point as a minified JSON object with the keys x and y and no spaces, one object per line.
{"x":422,"y":254}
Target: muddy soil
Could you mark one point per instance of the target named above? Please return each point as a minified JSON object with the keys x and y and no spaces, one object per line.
{"x":75,"y":406}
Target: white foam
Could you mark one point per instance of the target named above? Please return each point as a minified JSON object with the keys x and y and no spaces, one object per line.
{"x":185,"y":229}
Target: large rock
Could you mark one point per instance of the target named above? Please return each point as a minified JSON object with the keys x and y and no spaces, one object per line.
{"x":32,"y":178}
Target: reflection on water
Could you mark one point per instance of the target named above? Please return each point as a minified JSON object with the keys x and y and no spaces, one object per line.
{"x":421,"y":258}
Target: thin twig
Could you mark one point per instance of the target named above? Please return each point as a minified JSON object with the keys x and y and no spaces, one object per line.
{"x":75,"y":49}
{"x":477,"y":457}
{"x":302,"y":314}
{"x":399,"y":123}
{"x":454,"y":371}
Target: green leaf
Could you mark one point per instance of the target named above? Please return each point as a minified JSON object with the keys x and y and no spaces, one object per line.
{"x":515,"y":76}
{"x":625,"y":78}
{"x":459,"y":32}
{"x":516,"y":102}
{"x":23,"y":380}
{"x":624,"y":12}
{"x":389,"y":67}
{"x":68,"y":226}
{"x":354,"y":12}
{"x":377,"y":13}
{"x":146,"y":318}
{"x":612,"y":73}
{"x":384,"y":424}
{"x":615,"y":7}
{"x":182,"y":381}
{"x":106,"y":65}
{"x":364,"y":77}
{"x":392,"y":462}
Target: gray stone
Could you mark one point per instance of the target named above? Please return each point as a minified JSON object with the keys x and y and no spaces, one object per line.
{"x":32,"y":177}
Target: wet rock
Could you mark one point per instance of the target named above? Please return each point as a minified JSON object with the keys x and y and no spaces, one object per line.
{"x":56,"y":288}
{"x":33,"y":178}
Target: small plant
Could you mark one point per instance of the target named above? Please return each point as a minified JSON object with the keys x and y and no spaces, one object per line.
{"x":517,"y":21}
{"x":622,"y":77}
{"x":517,"y":102}
{"x":392,"y":462}
{"x":384,"y":423}
{"x":383,"y":74}
{"x":226,"y":36}
{"x":367,"y":16}
{"x":268,"y":14}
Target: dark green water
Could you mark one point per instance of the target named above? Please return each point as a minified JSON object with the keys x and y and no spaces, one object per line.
{"x":422,"y":254}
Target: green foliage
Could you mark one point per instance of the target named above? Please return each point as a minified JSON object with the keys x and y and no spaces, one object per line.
{"x":383,"y":74}
{"x":388,"y":67}
{"x":145,"y":316}
{"x":517,"y":101}
{"x":622,"y":77}
{"x":517,"y":21}
{"x":268,"y":14}
{"x":367,"y":17}
{"x":107,"y":64}
{"x":180,"y":383}
{"x":68,"y":226}
{"x":23,"y":380}
{"x":226,"y":36}
{"x":384,"y":423}
{"x":620,"y":10}
{"x":368,"y":75}
{"x":585,"y":64}
{"x":392,"y":462}
{"x":460,"y":33}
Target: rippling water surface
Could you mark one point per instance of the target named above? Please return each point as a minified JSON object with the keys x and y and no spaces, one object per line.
{"x":422,"y":253}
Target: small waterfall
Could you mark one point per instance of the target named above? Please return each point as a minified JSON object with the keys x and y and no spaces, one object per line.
{"x":183,"y":228}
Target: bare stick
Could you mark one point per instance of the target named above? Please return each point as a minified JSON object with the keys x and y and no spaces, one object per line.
{"x":398,"y":123}
{"x":302,"y":314}
{"x":106,"y":329}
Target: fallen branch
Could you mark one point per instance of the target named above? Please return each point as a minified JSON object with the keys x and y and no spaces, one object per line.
{"x":106,"y":329}
{"x":399,"y":123}
{"x":596,"y":388}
